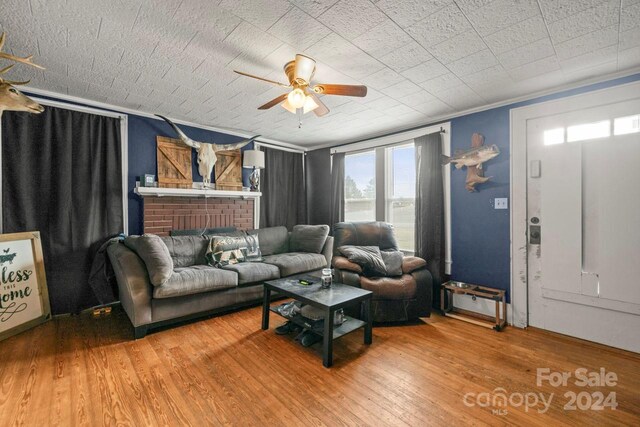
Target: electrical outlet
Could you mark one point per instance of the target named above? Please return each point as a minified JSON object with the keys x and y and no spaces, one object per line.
{"x":501,"y":203}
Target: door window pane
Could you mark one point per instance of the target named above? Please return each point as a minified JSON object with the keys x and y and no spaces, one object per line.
{"x":625,"y":125}
{"x":360,"y":187}
{"x":401,"y":194}
{"x":588,"y":131}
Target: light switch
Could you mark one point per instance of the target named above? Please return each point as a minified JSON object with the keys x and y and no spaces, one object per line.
{"x":501,"y":203}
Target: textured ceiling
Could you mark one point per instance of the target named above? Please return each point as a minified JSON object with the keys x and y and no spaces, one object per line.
{"x":420,"y":59}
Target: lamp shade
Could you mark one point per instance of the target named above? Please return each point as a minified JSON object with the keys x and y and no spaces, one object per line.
{"x":253,"y":159}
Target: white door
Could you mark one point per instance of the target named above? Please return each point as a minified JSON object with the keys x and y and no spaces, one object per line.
{"x":583,"y":216}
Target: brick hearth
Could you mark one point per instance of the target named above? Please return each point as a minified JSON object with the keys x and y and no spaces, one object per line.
{"x":163,"y":214}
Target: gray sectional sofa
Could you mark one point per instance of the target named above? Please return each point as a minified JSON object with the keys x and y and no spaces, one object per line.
{"x":196,"y":289}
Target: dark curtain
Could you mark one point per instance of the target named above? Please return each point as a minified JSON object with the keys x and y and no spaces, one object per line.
{"x":430,"y":231}
{"x":337,"y":189}
{"x":62,"y":176}
{"x":283,"y":200}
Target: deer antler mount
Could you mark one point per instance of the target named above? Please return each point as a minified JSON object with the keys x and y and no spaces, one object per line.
{"x":11,"y":99}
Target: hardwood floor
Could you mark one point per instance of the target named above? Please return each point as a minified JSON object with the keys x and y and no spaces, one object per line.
{"x":226,"y":370}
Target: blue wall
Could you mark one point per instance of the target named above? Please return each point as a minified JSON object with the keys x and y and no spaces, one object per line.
{"x":142,"y":153}
{"x":480,"y":234}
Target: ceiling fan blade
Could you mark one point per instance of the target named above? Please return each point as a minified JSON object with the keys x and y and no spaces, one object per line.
{"x":343,"y":90}
{"x":260,"y":78}
{"x":322,"y":109}
{"x":274,"y":101}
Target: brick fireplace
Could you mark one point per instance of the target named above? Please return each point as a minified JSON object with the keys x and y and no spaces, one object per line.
{"x":163,"y":214}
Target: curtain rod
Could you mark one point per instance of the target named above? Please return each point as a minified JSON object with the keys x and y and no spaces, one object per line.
{"x":396,"y":138}
{"x":278,"y":147}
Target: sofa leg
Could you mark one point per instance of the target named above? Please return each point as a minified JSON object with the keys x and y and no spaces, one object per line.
{"x":139,"y":332}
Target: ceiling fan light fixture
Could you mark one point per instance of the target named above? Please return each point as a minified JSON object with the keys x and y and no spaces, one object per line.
{"x":287,"y":106}
{"x":309,"y":105}
{"x":296,"y":98}
{"x":305,"y":67}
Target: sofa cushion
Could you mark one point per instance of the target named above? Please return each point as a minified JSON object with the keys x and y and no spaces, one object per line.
{"x":397,"y":288}
{"x":254,"y":272}
{"x":368,"y":257}
{"x":361,"y":233}
{"x":187,"y":250}
{"x":296,"y":262}
{"x":308,"y":238}
{"x":155,"y":254}
{"x":194,"y":280}
{"x":273,"y":240}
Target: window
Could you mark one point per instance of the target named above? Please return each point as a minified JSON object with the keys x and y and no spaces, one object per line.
{"x":398,"y":181}
{"x":401,"y":193}
{"x":380,"y":185}
{"x":360,"y":186}
{"x":586,"y":131}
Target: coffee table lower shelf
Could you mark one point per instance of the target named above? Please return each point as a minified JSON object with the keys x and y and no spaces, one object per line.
{"x":329,"y":300}
{"x":349,"y":325}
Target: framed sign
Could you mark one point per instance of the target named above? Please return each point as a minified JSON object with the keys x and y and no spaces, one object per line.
{"x":24,"y":299}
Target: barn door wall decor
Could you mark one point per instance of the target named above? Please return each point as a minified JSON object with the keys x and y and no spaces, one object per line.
{"x":228,"y":170}
{"x":174,"y":163}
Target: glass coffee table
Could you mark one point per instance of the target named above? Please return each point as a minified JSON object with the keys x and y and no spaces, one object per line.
{"x":329,"y":300}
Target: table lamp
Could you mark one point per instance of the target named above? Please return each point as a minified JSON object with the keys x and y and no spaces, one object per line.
{"x":254,"y":159}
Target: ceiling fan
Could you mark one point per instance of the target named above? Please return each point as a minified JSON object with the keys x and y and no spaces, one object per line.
{"x":304,"y":95}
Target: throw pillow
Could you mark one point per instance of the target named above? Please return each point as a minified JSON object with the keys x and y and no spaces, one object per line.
{"x":225,"y":250}
{"x":368,"y":257}
{"x":253,"y":252}
{"x":154,"y":254}
{"x":308,"y":238}
{"x":393,"y":262}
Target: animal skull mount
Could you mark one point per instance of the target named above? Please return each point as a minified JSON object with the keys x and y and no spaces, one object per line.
{"x":206,"y":151}
{"x":11,"y":99}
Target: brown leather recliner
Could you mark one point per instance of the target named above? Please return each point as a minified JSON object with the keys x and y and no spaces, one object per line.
{"x":395,"y":299}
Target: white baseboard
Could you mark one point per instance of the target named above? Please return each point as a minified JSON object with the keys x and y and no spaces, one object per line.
{"x":480,"y":306}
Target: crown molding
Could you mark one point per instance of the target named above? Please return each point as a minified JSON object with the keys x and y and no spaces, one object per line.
{"x":446,"y":117}
{"x":276,"y":143}
{"x":118,"y":109}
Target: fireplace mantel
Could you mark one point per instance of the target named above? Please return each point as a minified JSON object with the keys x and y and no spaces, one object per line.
{"x":195,"y":192}
{"x":167,"y":209}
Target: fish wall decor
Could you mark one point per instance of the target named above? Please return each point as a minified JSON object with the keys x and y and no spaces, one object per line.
{"x":473,"y":160}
